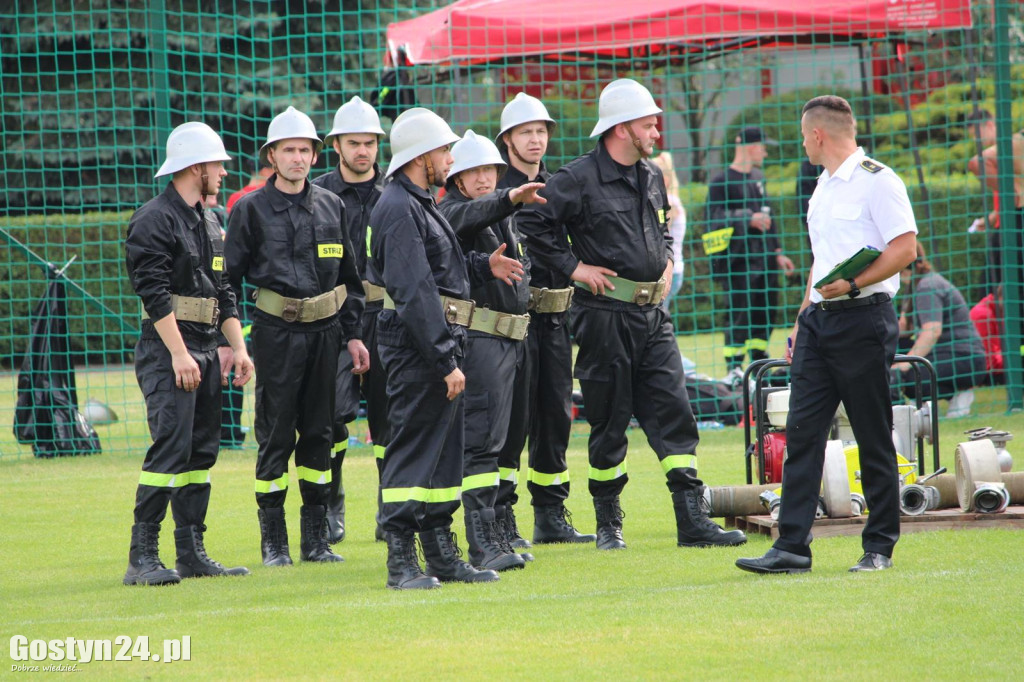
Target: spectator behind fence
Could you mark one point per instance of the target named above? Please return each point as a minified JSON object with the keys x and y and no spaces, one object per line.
{"x":987,"y":317}
{"x":676,"y":222}
{"x":943,"y":334}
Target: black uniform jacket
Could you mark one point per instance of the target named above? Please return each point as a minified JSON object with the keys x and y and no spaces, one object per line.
{"x":610,"y":220}
{"x":542,"y":273}
{"x":293,"y":250}
{"x":174,"y":248}
{"x":732,"y":198}
{"x":357,"y":211}
{"x":483,"y":224}
{"x":417,"y":258}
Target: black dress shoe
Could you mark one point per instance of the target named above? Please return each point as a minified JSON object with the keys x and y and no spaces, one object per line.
{"x":776,"y":561}
{"x":872,"y":561}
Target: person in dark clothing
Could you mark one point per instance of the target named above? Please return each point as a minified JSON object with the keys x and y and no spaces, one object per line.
{"x":844,"y":340}
{"x":421,"y":336}
{"x":175,"y":260}
{"x":289,"y":240}
{"x":745,"y":251}
{"x":542,"y":398}
{"x":613,"y":205}
{"x":356,"y":179}
{"x":480,"y":217}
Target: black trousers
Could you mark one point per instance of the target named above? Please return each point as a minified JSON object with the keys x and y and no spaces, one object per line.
{"x":491,"y":367}
{"x":185,"y":427}
{"x":422,"y":471}
{"x":296,"y":374}
{"x":841,"y":355}
{"x":749,"y":325}
{"x":952,"y":372}
{"x":629,"y":364}
{"x":542,"y":408}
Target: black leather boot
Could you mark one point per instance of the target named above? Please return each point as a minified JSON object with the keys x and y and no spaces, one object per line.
{"x":313,"y":545}
{"x":443,"y":558}
{"x":144,"y":565}
{"x":609,"y":522}
{"x":485,"y":547}
{"x":274,"y":537}
{"x":193,"y":561}
{"x":694,"y":527}
{"x":336,"y":503}
{"x":404,"y":572}
{"x":508,"y":532}
{"x":553,"y":523}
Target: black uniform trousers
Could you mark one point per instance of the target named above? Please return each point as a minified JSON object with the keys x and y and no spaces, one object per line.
{"x":629,"y":365}
{"x":841,"y":355}
{"x":422,"y":472}
{"x":542,"y":408}
{"x":371,"y":386}
{"x":295,"y":384}
{"x":185,"y":427}
{"x":749,"y":325}
{"x":491,"y":366}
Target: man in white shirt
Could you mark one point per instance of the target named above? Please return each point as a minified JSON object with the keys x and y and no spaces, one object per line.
{"x":844,"y":340}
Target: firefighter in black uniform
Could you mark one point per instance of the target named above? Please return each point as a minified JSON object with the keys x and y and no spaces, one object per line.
{"x":421,"y":338}
{"x":480,"y":217}
{"x":175,"y":259}
{"x":288,"y":239}
{"x":356,"y":179}
{"x":844,"y":340}
{"x":613,"y":203}
{"x":542,"y":401}
{"x":745,"y":251}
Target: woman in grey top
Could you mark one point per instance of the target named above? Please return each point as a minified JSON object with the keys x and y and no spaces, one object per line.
{"x":940,"y":321}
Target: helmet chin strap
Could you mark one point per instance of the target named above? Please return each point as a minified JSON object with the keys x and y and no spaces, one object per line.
{"x":636,"y":141}
{"x":431,"y":180}
{"x":461,"y":185}
{"x":205,"y":178}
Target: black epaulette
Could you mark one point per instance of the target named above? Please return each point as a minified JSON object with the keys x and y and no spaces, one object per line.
{"x":871,"y":166}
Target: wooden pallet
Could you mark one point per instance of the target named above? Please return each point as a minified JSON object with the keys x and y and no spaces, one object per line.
{"x":941,"y":519}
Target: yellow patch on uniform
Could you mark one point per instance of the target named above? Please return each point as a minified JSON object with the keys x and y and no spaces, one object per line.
{"x":369,"y":231}
{"x":717,"y":240}
{"x":661,"y":215}
{"x":218,"y":264}
{"x":870,"y":166}
{"x":331,"y":250}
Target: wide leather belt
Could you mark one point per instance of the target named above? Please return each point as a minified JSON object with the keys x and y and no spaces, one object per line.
{"x":192,"y":309}
{"x":373,"y":292}
{"x":301,"y":309}
{"x":505,"y":325}
{"x":549,"y":300}
{"x":456,"y":311}
{"x":641,"y":293}
{"x":847,"y":303}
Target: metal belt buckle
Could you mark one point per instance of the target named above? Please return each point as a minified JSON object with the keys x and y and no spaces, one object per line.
{"x":291,"y":310}
{"x":451,"y":313}
{"x":536,"y":297}
{"x":216,"y":311}
{"x":643,"y":295}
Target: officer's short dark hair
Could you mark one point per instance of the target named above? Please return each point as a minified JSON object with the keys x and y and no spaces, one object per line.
{"x":831,"y":102}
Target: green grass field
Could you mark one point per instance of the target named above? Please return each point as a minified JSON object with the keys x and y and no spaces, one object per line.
{"x":951,"y":610}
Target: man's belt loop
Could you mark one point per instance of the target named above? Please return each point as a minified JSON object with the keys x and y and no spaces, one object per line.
{"x":546,"y":300}
{"x":193,"y":309}
{"x":373,"y":292}
{"x":456,"y":310}
{"x":307,"y":310}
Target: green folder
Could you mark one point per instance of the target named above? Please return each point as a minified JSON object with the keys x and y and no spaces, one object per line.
{"x":851,"y":267}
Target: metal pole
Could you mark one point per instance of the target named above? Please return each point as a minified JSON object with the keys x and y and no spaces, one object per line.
{"x":1011,"y":220}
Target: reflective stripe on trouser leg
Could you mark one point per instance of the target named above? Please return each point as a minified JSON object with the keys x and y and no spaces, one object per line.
{"x":422,"y":468}
{"x":547,"y":480}
{"x":378,"y":451}
{"x":548,"y":366}
{"x":279,"y":484}
{"x":612,"y":474}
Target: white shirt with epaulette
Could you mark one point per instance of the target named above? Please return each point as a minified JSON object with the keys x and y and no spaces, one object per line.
{"x":863,"y":204}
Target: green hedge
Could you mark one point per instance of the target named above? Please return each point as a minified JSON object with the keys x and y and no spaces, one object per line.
{"x":97,"y":335}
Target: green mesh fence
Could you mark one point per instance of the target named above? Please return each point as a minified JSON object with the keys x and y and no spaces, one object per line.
{"x":89,"y":94}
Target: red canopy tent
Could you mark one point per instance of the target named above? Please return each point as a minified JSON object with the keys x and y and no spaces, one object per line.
{"x":480,"y":31}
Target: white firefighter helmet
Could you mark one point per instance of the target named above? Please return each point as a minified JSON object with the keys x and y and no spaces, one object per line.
{"x":475,"y":150}
{"x":417,"y":131}
{"x":355,"y":116}
{"x":523,"y":109}
{"x":290,"y":123}
{"x":189,"y":144}
{"x":623,"y":100}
